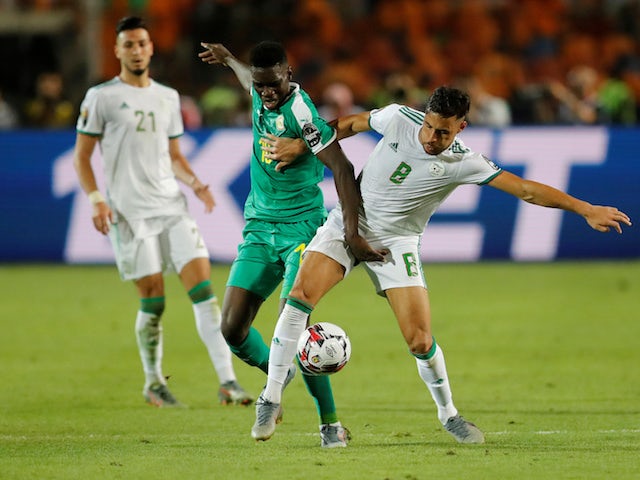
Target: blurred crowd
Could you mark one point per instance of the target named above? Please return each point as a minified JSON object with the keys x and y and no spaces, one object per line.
{"x":524,"y":62}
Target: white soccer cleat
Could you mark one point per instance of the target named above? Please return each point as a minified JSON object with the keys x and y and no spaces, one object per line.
{"x":158,"y":395}
{"x":231,"y":393}
{"x":334,"y":436}
{"x":267,"y":414}
{"x":463,"y":431}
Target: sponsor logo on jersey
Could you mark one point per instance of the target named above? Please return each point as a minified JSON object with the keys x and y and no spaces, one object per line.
{"x":124,"y":105}
{"x":491,"y":164}
{"x":311,"y":134}
{"x":436,"y":169}
{"x":394,"y":146}
{"x":280,"y":123}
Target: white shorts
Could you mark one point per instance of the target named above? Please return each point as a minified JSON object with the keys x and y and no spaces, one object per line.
{"x":401,"y":268}
{"x":154,"y":245}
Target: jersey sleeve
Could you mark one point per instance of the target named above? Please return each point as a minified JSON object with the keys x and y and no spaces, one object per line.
{"x":479,"y":169}
{"x":380,"y":118}
{"x":91,"y":119}
{"x":313,"y":129}
{"x":176,"y":127}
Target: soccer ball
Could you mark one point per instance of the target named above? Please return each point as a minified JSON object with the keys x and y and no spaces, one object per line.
{"x":323,"y":349}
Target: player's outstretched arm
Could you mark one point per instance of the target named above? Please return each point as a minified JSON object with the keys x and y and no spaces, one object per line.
{"x":216,"y":53}
{"x":600,"y":218}
{"x":349,"y":125}
{"x":286,"y":150}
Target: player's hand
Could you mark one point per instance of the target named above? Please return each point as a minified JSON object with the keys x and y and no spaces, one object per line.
{"x":364,"y":252}
{"x":282,"y":149}
{"x":604,"y":219}
{"x":102,"y":217}
{"x":214,"y":53}
{"x":205,"y":195}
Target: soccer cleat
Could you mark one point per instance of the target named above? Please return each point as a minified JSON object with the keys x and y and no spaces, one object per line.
{"x":267,"y":414}
{"x":290,"y":375}
{"x":463,"y":431}
{"x":231,"y":393}
{"x":334,"y":436}
{"x":158,"y":394}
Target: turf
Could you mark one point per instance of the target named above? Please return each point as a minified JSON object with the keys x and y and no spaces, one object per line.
{"x":543,"y":357}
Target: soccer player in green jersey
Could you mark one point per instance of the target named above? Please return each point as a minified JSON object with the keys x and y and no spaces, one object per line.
{"x":283,"y":211}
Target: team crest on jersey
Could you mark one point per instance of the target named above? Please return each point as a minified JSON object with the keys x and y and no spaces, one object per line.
{"x":311,"y":134}
{"x":491,"y":164}
{"x":280,"y":123}
{"x":436,"y":169}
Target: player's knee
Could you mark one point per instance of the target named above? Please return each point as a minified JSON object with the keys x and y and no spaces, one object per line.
{"x":232,"y":330}
{"x":150,"y":285}
{"x":231,"y":335}
{"x":226,"y":327}
{"x":420,"y":344}
{"x":301,"y":293}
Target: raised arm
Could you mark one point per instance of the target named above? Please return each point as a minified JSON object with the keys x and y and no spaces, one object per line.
{"x":600,"y":218}
{"x":218,"y":53}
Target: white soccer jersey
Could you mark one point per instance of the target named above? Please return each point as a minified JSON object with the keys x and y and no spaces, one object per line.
{"x":135,"y":125}
{"x":402,"y":185}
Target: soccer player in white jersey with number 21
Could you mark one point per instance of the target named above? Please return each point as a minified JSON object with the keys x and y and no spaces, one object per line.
{"x":414,"y":167}
{"x":137,"y":123}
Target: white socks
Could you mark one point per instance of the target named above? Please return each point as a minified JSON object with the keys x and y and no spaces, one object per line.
{"x":290,"y":326}
{"x":434,"y":374}
{"x":208,"y":319}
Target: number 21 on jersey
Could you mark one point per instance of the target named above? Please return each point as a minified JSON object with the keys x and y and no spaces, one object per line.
{"x":146,"y":121}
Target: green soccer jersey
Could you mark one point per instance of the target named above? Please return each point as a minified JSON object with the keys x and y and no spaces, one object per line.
{"x":291,"y":195}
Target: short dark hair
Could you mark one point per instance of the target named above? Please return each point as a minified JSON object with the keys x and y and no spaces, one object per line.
{"x":449,"y":102}
{"x":130,"y":23}
{"x":267,"y":54}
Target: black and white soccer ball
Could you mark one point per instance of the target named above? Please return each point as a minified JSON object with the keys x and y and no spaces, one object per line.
{"x":323,"y":349}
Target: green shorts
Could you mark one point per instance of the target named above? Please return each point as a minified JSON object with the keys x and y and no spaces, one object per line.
{"x":270,"y":253}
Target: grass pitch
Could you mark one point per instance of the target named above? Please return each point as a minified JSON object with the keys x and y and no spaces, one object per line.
{"x":543,"y":357}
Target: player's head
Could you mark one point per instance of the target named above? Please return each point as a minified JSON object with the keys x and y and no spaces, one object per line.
{"x":133,"y":45}
{"x":270,"y":73}
{"x":449,"y":102}
{"x":444,"y":118}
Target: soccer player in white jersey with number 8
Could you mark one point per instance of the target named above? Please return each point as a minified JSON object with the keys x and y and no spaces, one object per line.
{"x":137,"y":123}
{"x":415,"y":166}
